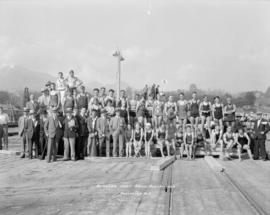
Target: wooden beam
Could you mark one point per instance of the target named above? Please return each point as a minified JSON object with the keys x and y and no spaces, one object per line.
{"x":162,"y":163}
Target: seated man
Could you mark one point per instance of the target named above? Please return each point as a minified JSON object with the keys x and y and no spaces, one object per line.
{"x":228,"y":142}
{"x":243,"y":143}
{"x":199,"y":141}
{"x":216,"y":139}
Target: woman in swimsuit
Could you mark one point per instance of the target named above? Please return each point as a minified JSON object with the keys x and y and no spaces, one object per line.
{"x":161,"y":135}
{"x":137,"y":139}
{"x":158,"y":108}
{"x":182,"y":108}
{"x":205,"y":111}
{"x":217,"y":111}
{"x":189,"y":141}
{"x":148,"y":137}
{"x":170,"y":137}
{"x":129,"y":140}
{"x":180,"y":140}
{"x":170,"y":110}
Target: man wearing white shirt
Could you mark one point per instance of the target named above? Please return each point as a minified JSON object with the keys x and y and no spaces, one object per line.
{"x":4,"y":119}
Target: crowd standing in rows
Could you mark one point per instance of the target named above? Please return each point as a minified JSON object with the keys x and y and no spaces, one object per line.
{"x":145,"y":125}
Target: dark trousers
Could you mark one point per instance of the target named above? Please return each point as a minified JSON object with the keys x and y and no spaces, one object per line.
{"x":43,"y":141}
{"x":51,"y":152}
{"x":80,"y":147}
{"x":32,"y":142}
{"x":102,"y":140}
{"x":259,"y":149}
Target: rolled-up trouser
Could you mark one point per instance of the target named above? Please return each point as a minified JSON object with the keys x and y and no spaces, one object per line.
{"x":118,"y":138}
{"x":69,"y":142}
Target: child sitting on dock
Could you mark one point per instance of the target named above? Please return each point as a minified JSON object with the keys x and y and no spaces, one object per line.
{"x":137,"y":139}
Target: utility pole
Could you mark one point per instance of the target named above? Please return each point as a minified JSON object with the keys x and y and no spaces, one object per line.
{"x":119,"y":59}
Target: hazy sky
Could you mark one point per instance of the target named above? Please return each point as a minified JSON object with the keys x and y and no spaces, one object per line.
{"x":215,"y":44}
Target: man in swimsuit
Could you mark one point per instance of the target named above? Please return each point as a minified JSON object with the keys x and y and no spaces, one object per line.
{"x":229,"y":113}
{"x":194,"y":110}
{"x":73,"y":82}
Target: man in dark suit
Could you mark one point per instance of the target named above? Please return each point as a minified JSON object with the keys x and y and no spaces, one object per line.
{"x":43,"y":140}
{"x":93,"y":134}
{"x":260,"y":130}
{"x":117,"y":126}
{"x":103,"y":129}
{"x":83,"y":134}
{"x":22,"y":123}
{"x":51,"y":126}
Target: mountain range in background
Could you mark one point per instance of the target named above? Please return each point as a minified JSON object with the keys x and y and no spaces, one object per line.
{"x":15,"y":78}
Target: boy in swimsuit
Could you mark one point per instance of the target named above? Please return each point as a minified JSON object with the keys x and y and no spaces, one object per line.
{"x":217,"y":111}
{"x":205,"y":111}
{"x":129,"y":140}
{"x":194,"y":110}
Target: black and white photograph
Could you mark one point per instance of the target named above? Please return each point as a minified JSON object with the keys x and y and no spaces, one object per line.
{"x":134,"y":107}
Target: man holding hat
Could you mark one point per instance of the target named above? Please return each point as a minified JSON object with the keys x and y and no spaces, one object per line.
{"x":22,"y":123}
{"x":51,"y":127}
{"x":261,"y":128}
{"x":103,"y":133}
{"x":117,"y":126}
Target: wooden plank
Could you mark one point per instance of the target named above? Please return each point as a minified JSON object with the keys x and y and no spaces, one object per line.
{"x":162,"y":163}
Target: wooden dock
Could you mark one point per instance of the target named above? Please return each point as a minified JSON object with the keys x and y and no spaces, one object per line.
{"x":129,"y":186}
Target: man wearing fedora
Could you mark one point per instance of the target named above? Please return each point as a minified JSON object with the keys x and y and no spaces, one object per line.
{"x":51,"y":127}
{"x":81,"y":145}
{"x":261,"y":128}
{"x":117,"y":126}
{"x":32,"y":134}
{"x":22,"y":123}
{"x":103,"y":129}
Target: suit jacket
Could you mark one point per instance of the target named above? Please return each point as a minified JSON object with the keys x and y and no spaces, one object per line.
{"x":103,"y":126}
{"x":70,"y":132}
{"x":32,"y":106}
{"x":263,"y":127}
{"x":92,"y":125}
{"x":22,"y":125}
{"x":117,"y":123}
{"x":51,"y":126}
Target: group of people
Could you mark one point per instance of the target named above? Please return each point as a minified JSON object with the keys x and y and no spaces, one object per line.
{"x":149,"y":124}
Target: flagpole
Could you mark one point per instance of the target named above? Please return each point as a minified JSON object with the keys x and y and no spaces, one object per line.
{"x":119,"y":59}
